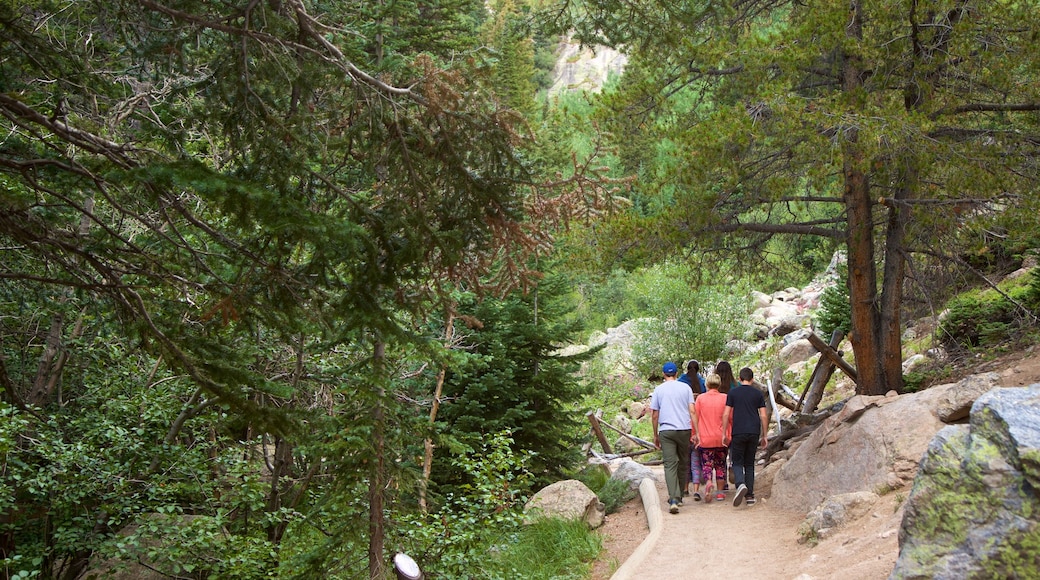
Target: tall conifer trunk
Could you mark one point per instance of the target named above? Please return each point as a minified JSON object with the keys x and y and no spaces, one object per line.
{"x":377,"y":471}
{"x":869,"y":340}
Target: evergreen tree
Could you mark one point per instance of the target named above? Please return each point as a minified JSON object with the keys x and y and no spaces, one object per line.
{"x":264,"y":200}
{"x":906,"y":128}
{"x":514,"y":379}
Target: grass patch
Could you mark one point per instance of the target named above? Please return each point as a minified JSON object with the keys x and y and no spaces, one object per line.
{"x":614,"y":494}
{"x":550,"y":548}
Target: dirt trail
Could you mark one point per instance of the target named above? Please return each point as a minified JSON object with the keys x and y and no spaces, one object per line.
{"x":719,"y":540}
{"x":752,"y":542}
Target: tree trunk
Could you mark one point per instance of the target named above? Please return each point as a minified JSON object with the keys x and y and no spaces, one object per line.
{"x":377,"y":471}
{"x":282,"y":466}
{"x":890,"y":331}
{"x":449,"y":333}
{"x":866,"y":336}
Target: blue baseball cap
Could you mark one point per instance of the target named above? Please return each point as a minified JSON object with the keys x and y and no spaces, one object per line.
{"x":669,"y":368}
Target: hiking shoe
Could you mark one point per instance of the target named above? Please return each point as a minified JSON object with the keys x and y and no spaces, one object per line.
{"x":720,"y":496}
{"x":696,"y":496}
{"x":739,"y":497}
{"x":673,"y":506}
{"x":750,"y":500}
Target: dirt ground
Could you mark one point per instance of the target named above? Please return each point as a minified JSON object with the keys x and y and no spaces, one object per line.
{"x":762,"y":541}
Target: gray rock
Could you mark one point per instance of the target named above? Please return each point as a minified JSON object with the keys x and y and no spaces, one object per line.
{"x":957,"y":403}
{"x":569,"y":499}
{"x":836,"y":510}
{"x":914,"y":362}
{"x":760,"y":299}
{"x":871,"y":444}
{"x":622,"y":422}
{"x":974,"y":510}
{"x":632,"y":472}
{"x":797,"y":351}
{"x":624,"y":445}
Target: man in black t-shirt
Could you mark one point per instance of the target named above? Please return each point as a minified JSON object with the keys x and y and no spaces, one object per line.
{"x":746,"y":412}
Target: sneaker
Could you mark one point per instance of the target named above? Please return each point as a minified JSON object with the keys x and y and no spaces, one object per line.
{"x":750,"y":501}
{"x":720,"y":496}
{"x":673,"y":506}
{"x":696,"y":497}
{"x":739,"y":497}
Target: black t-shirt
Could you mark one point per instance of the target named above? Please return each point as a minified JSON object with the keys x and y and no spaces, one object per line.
{"x":746,"y":401}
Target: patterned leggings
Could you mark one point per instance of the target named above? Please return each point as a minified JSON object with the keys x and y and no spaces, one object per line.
{"x":713,"y":463}
{"x":695,"y":464}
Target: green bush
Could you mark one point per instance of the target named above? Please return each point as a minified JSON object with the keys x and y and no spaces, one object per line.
{"x":593,"y":476}
{"x":1033,"y":291}
{"x":550,"y":548}
{"x":835,"y":308}
{"x":985,"y":317}
{"x":614,"y":494}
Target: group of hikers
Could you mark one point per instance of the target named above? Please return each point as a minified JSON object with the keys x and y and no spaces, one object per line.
{"x":698,"y":422}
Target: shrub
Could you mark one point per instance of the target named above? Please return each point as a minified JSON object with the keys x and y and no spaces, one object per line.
{"x":835,"y":308}
{"x":984,"y":317}
{"x":550,"y":548}
{"x":614,"y":494}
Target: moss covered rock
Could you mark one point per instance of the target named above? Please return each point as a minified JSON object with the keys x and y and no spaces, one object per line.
{"x":974,"y":511}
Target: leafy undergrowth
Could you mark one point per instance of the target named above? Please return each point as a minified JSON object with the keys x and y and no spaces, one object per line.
{"x":550,"y":548}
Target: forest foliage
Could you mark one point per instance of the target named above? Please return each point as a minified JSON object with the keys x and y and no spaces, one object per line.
{"x":284,"y":283}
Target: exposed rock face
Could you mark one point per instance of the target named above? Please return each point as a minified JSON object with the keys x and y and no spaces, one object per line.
{"x":835,"y":511}
{"x":586,"y":68}
{"x":570,"y":499}
{"x":872,"y":444}
{"x":974,"y":511}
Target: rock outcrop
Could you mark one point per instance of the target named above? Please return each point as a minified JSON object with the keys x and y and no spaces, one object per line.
{"x":974,"y":510}
{"x":569,"y":499}
{"x":873,"y":443}
{"x":585,"y":68}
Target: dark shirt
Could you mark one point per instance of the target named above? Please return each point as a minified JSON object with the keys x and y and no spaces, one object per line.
{"x":746,"y":400}
{"x":686,"y":379}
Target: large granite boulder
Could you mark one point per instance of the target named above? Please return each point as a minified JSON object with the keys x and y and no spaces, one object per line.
{"x":871,"y":444}
{"x":568,"y":499}
{"x":974,"y":510}
{"x":958,"y":401}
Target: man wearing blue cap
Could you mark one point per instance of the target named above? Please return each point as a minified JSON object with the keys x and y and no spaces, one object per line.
{"x":671,"y":408}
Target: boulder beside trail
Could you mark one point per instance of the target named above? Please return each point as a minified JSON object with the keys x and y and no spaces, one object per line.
{"x":974,"y":510}
{"x":631,"y":472}
{"x":569,"y":499}
{"x":873,"y":444}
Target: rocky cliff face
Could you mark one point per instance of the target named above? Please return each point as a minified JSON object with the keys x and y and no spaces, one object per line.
{"x":584,"y":68}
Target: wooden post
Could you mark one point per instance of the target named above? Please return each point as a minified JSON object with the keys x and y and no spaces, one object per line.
{"x":824,"y":369}
{"x":629,"y":436}
{"x":829,"y":352}
{"x":594,"y":420}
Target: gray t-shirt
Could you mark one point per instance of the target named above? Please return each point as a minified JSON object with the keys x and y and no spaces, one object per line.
{"x":672,"y":400}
